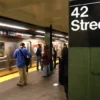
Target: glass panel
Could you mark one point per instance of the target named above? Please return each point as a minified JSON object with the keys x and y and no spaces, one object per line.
{"x":1,"y":49}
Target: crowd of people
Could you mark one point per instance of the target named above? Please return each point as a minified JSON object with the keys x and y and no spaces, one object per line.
{"x":23,"y":57}
{"x":45,"y":59}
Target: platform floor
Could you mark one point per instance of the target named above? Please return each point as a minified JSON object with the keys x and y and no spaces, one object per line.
{"x":38,"y":88}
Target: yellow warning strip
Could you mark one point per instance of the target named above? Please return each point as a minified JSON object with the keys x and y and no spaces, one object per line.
{"x":14,"y":75}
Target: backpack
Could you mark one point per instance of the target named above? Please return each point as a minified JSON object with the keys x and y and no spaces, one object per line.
{"x":27,"y":61}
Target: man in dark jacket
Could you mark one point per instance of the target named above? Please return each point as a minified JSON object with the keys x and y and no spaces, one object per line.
{"x":20,"y":55}
{"x":65,"y":65}
{"x":38,"y":54}
{"x":54,"y":57}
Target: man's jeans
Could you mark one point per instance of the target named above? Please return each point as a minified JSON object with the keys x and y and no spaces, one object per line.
{"x":46,"y":70}
{"x":39,"y":61}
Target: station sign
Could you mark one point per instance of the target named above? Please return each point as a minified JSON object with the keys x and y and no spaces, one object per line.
{"x":15,"y":34}
{"x":84,"y":23}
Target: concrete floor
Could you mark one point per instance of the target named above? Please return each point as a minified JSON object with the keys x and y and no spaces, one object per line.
{"x":38,"y":88}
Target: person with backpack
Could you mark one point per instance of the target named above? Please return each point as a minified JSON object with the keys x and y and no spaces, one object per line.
{"x":38,"y":54}
{"x":28,"y":61}
{"x":22,"y":54}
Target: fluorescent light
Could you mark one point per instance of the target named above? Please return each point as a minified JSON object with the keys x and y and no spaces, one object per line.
{"x":54,"y":38}
{"x":12,"y":26}
{"x":62,"y":39}
{"x":39,"y":31}
{"x":67,"y":36}
{"x":59,"y":35}
{"x":39,"y":36}
{"x":27,"y":35}
{"x":55,"y":84}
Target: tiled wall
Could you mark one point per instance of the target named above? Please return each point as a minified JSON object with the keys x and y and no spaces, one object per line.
{"x":84,"y":73}
{"x":79,"y":63}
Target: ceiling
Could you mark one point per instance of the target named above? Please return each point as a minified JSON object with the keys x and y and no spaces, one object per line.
{"x":39,"y":12}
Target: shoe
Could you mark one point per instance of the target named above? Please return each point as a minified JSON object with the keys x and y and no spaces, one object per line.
{"x":20,"y":85}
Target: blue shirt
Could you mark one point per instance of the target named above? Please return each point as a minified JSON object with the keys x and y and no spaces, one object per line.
{"x":20,"y":61}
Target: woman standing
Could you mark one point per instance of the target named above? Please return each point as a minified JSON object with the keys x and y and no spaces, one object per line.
{"x":46,"y":61}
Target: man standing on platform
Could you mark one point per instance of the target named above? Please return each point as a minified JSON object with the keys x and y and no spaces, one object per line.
{"x":20,"y":55}
{"x":65,"y":65}
{"x":39,"y":54}
{"x":54,"y":57}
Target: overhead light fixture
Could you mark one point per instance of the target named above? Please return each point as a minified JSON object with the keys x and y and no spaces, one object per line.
{"x":59,"y":35}
{"x":39,"y":31}
{"x":67,"y":36}
{"x":55,"y":84}
{"x":39,"y":36}
{"x":62,"y":39}
{"x":27,"y":35}
{"x":54,"y":38}
{"x":13,"y":26}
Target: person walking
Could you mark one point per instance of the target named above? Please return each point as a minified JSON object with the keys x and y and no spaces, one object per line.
{"x":21,"y":63}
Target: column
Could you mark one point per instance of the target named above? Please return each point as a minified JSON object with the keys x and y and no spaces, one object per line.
{"x":48,"y":40}
{"x":84,"y":50}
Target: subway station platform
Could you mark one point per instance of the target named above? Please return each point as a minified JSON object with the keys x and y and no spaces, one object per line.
{"x":38,"y":88}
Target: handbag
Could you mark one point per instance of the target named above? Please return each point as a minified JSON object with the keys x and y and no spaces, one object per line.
{"x":27,"y":60}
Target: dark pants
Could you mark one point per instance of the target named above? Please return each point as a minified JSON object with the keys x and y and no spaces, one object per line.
{"x":66,"y":85}
{"x":51,"y":66}
{"x":39,"y":61}
{"x":61,"y":72}
{"x":54,"y":63}
{"x":26,"y":68}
